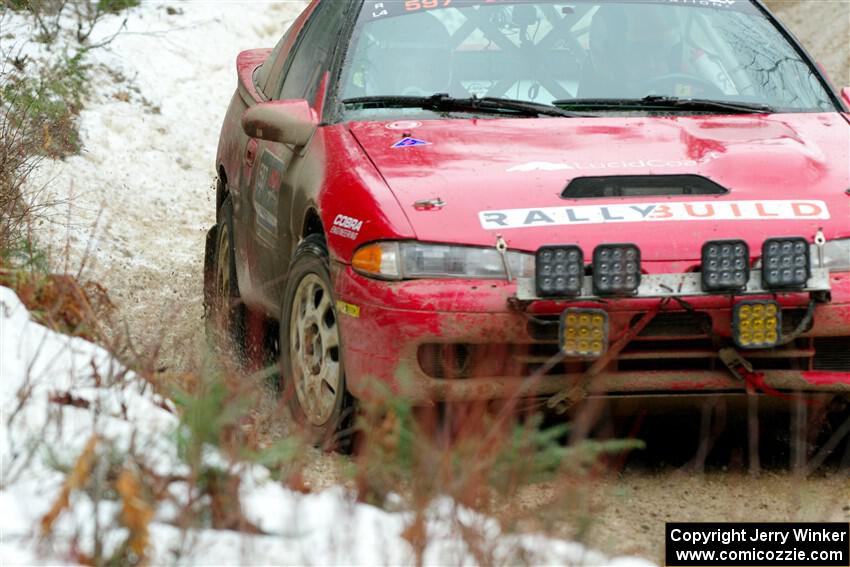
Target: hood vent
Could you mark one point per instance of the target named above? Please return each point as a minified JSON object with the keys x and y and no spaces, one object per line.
{"x":640,"y":186}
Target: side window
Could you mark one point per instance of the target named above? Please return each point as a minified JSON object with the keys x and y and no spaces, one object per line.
{"x":314,"y":51}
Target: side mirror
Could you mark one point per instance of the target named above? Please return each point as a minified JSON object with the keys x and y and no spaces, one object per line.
{"x":845,"y":96}
{"x":282,"y":121}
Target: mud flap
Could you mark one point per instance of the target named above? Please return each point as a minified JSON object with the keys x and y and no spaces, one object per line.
{"x":209,"y":268}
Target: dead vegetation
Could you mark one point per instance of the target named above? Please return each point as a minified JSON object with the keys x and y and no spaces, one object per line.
{"x":61,"y":303}
{"x":40,"y":100}
{"x":80,"y":17}
{"x":20,"y":143}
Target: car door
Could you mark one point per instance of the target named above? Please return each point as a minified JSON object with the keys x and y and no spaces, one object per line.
{"x":278,"y":165}
{"x":266,"y":79}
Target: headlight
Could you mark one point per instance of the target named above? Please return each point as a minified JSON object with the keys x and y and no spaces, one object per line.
{"x":560,"y":270}
{"x":725,"y":265}
{"x":757,"y":324}
{"x":412,"y":260}
{"x":584,"y":332}
{"x":836,"y":255}
{"x":616,"y":269}
{"x":785,"y":263}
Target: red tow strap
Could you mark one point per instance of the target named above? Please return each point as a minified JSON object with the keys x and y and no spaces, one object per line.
{"x":755,"y":381}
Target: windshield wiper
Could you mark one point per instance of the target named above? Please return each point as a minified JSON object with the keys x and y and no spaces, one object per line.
{"x":444,"y":102}
{"x":667,"y":103}
{"x":709,"y":104}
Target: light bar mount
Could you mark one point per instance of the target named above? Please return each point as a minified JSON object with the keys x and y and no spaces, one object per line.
{"x":677,"y":285}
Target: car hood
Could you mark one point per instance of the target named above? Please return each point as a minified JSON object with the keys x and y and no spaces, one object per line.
{"x":786,"y":175}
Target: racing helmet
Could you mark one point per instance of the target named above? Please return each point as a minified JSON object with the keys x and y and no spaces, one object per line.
{"x":409,"y":55}
{"x":635,"y":42}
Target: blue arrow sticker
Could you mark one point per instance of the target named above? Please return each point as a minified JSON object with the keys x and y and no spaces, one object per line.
{"x":409,"y":143}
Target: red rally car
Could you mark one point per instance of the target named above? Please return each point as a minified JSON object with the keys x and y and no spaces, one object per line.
{"x":478,"y":199}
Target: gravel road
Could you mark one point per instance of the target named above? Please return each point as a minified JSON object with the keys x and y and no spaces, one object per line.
{"x":824,"y":28}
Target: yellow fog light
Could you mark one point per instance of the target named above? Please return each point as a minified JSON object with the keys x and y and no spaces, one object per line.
{"x":584,"y":332}
{"x":757,"y":324}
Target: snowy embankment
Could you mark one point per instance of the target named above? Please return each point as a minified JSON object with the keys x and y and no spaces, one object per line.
{"x":139,"y":196}
{"x":62,"y":396}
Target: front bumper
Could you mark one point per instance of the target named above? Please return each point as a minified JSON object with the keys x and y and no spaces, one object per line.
{"x":407,"y":339}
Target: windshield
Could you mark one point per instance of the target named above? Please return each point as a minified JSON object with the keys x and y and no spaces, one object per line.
{"x":550,"y":51}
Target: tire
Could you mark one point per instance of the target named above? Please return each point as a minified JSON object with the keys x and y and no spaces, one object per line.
{"x":224,"y":312}
{"x":312,"y":373}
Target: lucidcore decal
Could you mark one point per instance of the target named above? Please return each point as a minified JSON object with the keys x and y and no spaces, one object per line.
{"x":631,"y":164}
{"x":654,"y":212}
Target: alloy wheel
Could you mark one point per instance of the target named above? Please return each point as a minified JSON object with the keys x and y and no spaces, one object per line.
{"x":314,"y":349}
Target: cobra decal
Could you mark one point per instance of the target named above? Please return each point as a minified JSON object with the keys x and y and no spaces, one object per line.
{"x":346,"y":227}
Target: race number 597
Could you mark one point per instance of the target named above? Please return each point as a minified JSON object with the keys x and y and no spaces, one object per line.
{"x":413,"y":5}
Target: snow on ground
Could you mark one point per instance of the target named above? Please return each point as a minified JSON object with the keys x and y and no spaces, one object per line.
{"x":150,"y":132}
{"x":328,"y":528}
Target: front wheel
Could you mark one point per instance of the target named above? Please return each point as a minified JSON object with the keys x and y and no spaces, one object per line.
{"x":311,"y":351}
